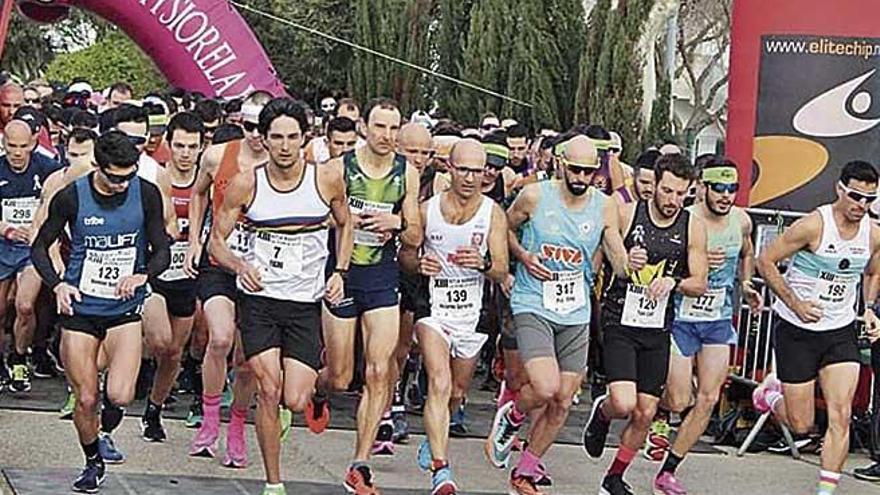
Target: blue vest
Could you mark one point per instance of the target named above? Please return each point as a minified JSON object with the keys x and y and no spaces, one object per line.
{"x":565,"y":241}
{"x":19,"y":196}
{"x":107,"y":244}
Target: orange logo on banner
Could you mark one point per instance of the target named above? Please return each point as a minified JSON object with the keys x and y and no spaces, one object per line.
{"x":785,"y":163}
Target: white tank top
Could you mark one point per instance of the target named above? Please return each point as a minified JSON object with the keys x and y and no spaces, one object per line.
{"x":456,"y":292}
{"x":830,"y":276}
{"x":288,"y":241}
{"x":148,"y":169}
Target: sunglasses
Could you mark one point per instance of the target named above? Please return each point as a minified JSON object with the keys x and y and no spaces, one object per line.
{"x":578,"y":168}
{"x":488,"y":127}
{"x":119,"y":179}
{"x":31,"y":101}
{"x":464,"y":171}
{"x":723,"y":188}
{"x":857,"y":196}
{"x":136,"y":140}
{"x":249,"y":127}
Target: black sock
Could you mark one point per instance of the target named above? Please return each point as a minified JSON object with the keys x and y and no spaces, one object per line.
{"x":671,"y":463}
{"x":91,"y":452}
{"x":197,"y":380}
{"x":111,"y":416}
{"x":662,"y":414}
{"x":152,"y":410}
{"x":16,"y":358}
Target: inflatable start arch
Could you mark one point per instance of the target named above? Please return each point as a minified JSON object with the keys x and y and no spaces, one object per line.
{"x":199,"y":45}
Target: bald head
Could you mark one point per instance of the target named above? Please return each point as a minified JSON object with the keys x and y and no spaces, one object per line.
{"x":415,"y":143}
{"x":19,"y":142}
{"x":580,"y":150}
{"x":468,"y":152}
{"x":11,"y":99}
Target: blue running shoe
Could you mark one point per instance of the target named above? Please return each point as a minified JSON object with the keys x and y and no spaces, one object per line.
{"x":441,"y":482}
{"x":457,"y":427}
{"x":425,"y":456}
{"x":89,"y":481}
{"x":108,"y":450}
{"x":501,"y":437}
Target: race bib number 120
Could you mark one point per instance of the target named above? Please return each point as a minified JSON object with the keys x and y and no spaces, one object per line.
{"x":641,"y":311}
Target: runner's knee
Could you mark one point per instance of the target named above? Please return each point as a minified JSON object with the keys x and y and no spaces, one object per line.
{"x":622,"y":405}
{"x":440,"y":385}
{"x":220,"y":343}
{"x":297,"y":401}
{"x":87,"y":402}
{"x":545,"y":388}
{"x":24,"y":308}
{"x":677,"y":401}
{"x":377,"y":372}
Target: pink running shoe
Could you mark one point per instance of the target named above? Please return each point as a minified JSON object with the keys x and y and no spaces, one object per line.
{"x":236,"y":445}
{"x":666,"y":484}
{"x":203,"y":445}
{"x":382,"y":448}
{"x":761,"y":397}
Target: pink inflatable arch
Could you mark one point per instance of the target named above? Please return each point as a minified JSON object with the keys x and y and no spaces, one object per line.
{"x":199,"y":45}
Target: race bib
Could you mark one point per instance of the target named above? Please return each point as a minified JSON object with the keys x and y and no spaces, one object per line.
{"x":704,"y":308}
{"x":19,"y":212}
{"x":565,"y":292}
{"x":362,"y":207}
{"x":239,"y":240}
{"x":835,"y":289}
{"x":102,"y":271}
{"x":175,"y":269}
{"x":457,"y":298}
{"x":639,"y":310}
{"x":278,"y":256}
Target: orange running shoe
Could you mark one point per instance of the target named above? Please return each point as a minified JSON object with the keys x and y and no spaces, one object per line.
{"x":317,"y":414}
{"x":359,"y":480}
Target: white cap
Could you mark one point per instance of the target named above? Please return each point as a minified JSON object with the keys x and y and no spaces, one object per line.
{"x":80,"y":87}
{"x":616,"y":142}
{"x":508,"y":123}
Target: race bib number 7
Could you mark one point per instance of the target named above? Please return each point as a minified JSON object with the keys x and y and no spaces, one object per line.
{"x":641,"y":311}
{"x":278,"y":256}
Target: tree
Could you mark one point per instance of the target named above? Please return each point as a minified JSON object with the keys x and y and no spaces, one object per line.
{"x":703,"y":44}
{"x":28,"y":48}
{"x":568,"y":29}
{"x":116,"y":58}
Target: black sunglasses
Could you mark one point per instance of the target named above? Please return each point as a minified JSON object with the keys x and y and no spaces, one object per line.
{"x":723,"y":188}
{"x":119,"y":179}
{"x":249,"y":127}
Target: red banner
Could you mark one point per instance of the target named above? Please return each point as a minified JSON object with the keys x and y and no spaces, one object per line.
{"x":803,"y":77}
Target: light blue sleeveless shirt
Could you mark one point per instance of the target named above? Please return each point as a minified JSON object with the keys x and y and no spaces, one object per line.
{"x":565,"y":241}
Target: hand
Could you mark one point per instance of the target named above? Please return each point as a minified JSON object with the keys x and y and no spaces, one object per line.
{"x":469,"y":257}
{"x":872,"y":325}
{"x":808,"y":311}
{"x":660,"y":287}
{"x":535,"y":268}
{"x":429,"y":265}
{"x":752,"y":297}
{"x":126,"y":287}
{"x":191,"y":261}
{"x":638,"y":257}
{"x":65,"y":294}
{"x":19,"y":234}
{"x":250,"y":277}
{"x":380,"y":222}
{"x":507,"y":285}
{"x":335,"y":289}
{"x":715,"y":257}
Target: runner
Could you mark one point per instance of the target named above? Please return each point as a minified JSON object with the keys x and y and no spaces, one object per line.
{"x":465,"y":241}
{"x":22,"y":173}
{"x":637,"y":315}
{"x":286,"y":205}
{"x":703,"y":327}
{"x":340,"y":139}
{"x":173,"y":301}
{"x":498,"y":179}
{"x":815,"y":334}
{"x":383,"y":197}
{"x":220,"y":163}
{"x":118,"y":241}
{"x":414,"y":143}
{"x":562,"y":224}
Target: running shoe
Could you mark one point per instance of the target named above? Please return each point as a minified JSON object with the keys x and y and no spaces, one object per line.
{"x":54,"y":351}
{"x":523,"y":485}
{"x":285,"y":417}
{"x":500,"y":440}
{"x":66,"y":411}
{"x":442,"y":483}
{"x":204,"y":443}
{"x":870,"y":473}
{"x":457,"y":427}
{"x":153,"y":431}
{"x":236,"y":446}
{"x":21,"y":379}
{"x":4,"y":373}
{"x":615,"y":485}
{"x":761,"y":394}
{"x":666,"y":484}
{"x":274,"y":490}
{"x":543,"y":476}
{"x":43,"y":365}
{"x":317,"y":414}
{"x":90,"y":479}
{"x":401,"y":428}
{"x":425,"y":458}
{"x":108,"y":450}
{"x":657,"y":441}
{"x":596,"y":430}
{"x":383,"y":444}
{"x":195,"y":416}
{"x":359,"y":480}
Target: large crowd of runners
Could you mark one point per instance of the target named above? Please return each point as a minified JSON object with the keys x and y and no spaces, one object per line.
{"x":261,"y":250}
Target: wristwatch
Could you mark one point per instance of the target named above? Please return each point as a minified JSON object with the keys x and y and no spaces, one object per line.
{"x":487,"y":265}
{"x":403,"y":224}
{"x":343,"y":273}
